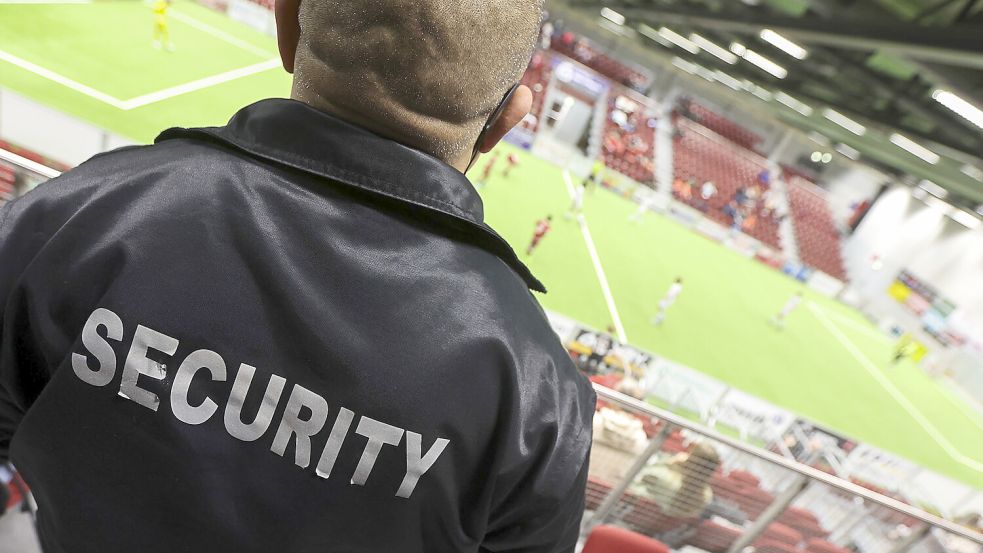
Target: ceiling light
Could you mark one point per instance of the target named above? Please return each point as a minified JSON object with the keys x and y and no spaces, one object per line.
{"x":684,"y":65}
{"x":847,"y":151}
{"x":705,"y":73}
{"x":844,"y":121}
{"x":962,"y":107}
{"x":818,"y":138}
{"x":760,"y":61}
{"x":933,"y":189}
{"x":915,"y":149}
{"x":713,"y":48}
{"x":793,"y":103}
{"x":727,"y":80}
{"x":679,"y":40}
{"x":784,"y":44}
{"x":612,"y":16}
{"x":762,"y":93}
{"x":938,"y":204}
{"x":966,"y":219}
{"x":973,"y":172}
{"x":816,"y":157}
{"x":654,"y":35}
{"x":827,"y":157}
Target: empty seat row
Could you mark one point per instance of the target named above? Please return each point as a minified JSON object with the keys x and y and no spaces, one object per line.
{"x":816,"y":236}
{"x":719,"y":124}
{"x":582,"y":50}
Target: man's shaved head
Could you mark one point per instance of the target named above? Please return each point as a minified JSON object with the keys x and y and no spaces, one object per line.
{"x":427,"y":73}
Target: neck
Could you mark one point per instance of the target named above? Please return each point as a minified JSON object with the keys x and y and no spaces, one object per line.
{"x":400,"y":125}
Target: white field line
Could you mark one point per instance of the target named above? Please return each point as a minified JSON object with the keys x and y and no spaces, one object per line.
{"x":146,"y":99}
{"x":219,"y":34}
{"x":206,"y":82}
{"x":61,"y":79}
{"x":962,"y":400}
{"x":891,"y":389}
{"x":46,"y":2}
{"x":43,"y":170}
{"x":861,"y":327}
{"x":601,"y":277}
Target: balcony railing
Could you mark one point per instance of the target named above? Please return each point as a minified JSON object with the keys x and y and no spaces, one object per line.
{"x":665,"y":476}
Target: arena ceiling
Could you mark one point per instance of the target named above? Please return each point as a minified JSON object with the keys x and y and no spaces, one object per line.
{"x":891,"y":65}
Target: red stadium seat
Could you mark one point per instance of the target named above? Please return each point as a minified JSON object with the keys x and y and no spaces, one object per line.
{"x":745,"y":477}
{"x":713,"y":537}
{"x":778,"y":532}
{"x":597,"y":490}
{"x":772,"y":546}
{"x":701,"y":155}
{"x":611,"y":539}
{"x":815,"y":232}
{"x":823,"y":546}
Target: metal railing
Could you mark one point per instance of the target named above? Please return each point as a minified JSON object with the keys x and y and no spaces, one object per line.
{"x":778,"y":506}
{"x":25,"y":164}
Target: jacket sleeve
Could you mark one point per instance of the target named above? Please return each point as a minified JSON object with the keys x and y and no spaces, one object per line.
{"x":22,"y":371}
{"x":9,"y":412}
{"x":543,"y":509}
{"x":543,"y":526}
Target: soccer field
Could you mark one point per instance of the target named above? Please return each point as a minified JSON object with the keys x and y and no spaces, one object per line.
{"x":96,"y":61}
{"x":829,"y":364}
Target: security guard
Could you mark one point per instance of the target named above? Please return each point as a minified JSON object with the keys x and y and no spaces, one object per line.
{"x":296,"y":332}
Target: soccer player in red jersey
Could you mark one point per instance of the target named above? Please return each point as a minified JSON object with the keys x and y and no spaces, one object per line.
{"x":542,"y":229}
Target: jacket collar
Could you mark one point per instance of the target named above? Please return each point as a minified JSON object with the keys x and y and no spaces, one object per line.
{"x":294,"y":134}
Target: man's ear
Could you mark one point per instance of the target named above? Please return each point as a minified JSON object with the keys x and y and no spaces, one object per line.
{"x":287,"y":31}
{"x":512,"y":115}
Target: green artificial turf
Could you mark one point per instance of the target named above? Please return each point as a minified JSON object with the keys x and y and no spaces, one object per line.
{"x":108,"y":46}
{"x":718,"y":326}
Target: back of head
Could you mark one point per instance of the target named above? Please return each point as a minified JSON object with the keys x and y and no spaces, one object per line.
{"x":426,"y":73}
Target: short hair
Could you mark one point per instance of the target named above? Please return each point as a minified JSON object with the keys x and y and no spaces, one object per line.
{"x":436,"y":68}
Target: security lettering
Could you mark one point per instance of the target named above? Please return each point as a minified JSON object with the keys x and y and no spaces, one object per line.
{"x":304,"y":419}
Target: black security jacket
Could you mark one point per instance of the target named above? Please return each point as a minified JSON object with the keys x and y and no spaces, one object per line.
{"x":286,"y":334}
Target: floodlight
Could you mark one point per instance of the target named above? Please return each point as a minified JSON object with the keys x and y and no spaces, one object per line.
{"x":844,"y":121}
{"x":915,"y":149}
{"x":784,"y":44}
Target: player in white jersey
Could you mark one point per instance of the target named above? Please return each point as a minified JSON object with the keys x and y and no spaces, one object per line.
{"x":648,"y":202}
{"x":577,"y":205}
{"x":670,"y":298}
{"x":791,"y":305}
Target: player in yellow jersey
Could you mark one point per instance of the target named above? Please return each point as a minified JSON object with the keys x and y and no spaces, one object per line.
{"x":906,"y":347}
{"x":593,"y":180}
{"x":162,"y":35}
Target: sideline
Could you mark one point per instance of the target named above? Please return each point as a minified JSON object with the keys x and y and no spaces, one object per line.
{"x":146,"y":99}
{"x":219,"y":34}
{"x":891,"y":389}
{"x":859,"y":326}
{"x":199,"y":84}
{"x":601,"y":277}
{"x":270,"y":62}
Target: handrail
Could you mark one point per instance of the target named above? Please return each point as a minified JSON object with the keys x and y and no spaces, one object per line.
{"x":27,"y":164}
{"x":794,"y":466}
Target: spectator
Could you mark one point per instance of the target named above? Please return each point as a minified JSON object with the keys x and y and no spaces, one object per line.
{"x":296,"y":332}
{"x":708,"y":191}
{"x":680,"y":485}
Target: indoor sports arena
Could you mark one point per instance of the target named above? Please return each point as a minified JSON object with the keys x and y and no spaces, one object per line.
{"x":708,"y":279}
